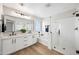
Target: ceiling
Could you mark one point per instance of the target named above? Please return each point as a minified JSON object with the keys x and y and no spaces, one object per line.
{"x":41,"y":9}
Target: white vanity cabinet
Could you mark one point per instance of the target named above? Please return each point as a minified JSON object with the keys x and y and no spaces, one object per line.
{"x":29,"y":40}
{"x":13,"y":44}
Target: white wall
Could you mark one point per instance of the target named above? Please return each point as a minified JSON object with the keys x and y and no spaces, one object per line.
{"x":45,"y":21}
{"x":37,"y":24}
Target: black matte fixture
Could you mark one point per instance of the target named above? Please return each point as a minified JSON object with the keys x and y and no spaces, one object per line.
{"x":21,"y":14}
{"x":3,"y":25}
{"x":77,"y":15}
{"x":77,"y":51}
{"x":74,"y":12}
{"x":76,"y":28}
{"x":46,"y":28}
{"x":59,"y":31}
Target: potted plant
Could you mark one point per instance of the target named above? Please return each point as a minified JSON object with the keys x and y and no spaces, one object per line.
{"x":23,"y":30}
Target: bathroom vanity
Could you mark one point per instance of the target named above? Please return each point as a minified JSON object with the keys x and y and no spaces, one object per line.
{"x":11,"y":44}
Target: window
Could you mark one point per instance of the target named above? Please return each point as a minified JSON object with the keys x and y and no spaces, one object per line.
{"x":37,"y":24}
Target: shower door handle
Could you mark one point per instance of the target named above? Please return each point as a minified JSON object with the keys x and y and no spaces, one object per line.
{"x":59,"y":32}
{"x":51,"y":32}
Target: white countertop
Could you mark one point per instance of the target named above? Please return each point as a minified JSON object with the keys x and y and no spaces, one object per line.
{"x":18,"y":34}
{"x":6,"y":35}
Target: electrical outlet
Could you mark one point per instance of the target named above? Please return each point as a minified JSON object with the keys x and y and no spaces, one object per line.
{"x":54,"y":47}
{"x":64,"y":48}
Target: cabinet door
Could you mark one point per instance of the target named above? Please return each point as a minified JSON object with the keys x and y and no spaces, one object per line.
{"x":25,"y":41}
{"x":18,"y":43}
{"x":30,"y":40}
{"x":7,"y":46}
{"x":34,"y":39}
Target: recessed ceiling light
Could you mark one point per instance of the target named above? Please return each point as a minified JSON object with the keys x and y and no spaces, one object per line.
{"x":48,"y":5}
{"x":21,"y":4}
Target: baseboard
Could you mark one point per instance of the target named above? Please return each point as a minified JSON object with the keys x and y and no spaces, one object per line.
{"x":58,"y":52}
{"x":42,"y":43}
{"x":51,"y":49}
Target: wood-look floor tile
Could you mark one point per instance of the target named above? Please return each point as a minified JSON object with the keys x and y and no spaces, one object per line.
{"x":37,"y":49}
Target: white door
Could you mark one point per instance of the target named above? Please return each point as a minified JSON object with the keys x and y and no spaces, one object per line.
{"x":19,"y":43}
{"x":8,"y":46}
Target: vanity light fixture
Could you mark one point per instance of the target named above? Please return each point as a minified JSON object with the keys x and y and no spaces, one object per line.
{"x":23,"y":15}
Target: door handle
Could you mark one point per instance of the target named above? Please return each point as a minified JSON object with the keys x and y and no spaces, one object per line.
{"x":12,"y":41}
{"x":15,"y":40}
{"x":25,"y":37}
{"x":33,"y":37}
{"x":51,"y":32}
{"x":25,"y":40}
{"x":59,"y":32}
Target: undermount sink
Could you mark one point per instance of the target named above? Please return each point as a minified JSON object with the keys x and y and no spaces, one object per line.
{"x":12,"y":34}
